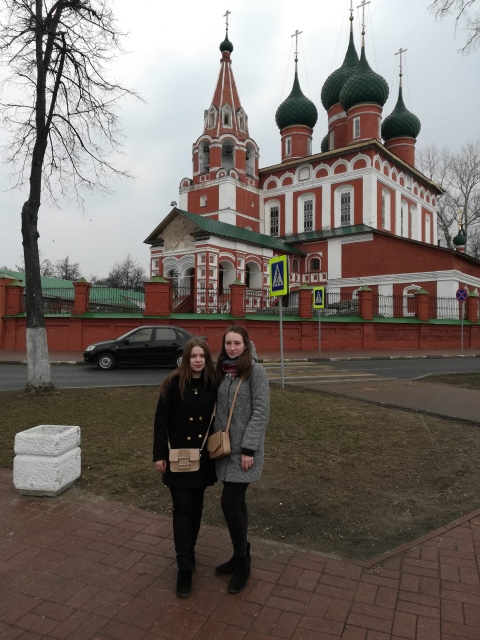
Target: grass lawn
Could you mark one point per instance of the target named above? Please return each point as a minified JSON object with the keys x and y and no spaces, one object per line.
{"x":465,"y":380}
{"x":340,"y":476}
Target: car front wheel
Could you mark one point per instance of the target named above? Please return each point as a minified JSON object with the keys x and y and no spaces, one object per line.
{"x":178,"y":359}
{"x":105,"y":361}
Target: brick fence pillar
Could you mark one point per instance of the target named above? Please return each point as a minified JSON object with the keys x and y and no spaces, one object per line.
{"x":472,"y":306}
{"x":305,"y":301}
{"x":237,"y":291}
{"x":158,"y":297}
{"x":365,"y":302}
{"x":81,"y":302}
{"x":14,"y":293}
{"x":423,"y":305}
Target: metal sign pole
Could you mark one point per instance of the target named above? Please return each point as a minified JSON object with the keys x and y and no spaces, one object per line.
{"x":319,"y":332}
{"x":461,"y":338}
{"x":280,"y":299}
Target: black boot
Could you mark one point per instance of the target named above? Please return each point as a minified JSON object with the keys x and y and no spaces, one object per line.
{"x":184,"y":583}
{"x":227,"y":568}
{"x":194,"y":564}
{"x":240,"y":576}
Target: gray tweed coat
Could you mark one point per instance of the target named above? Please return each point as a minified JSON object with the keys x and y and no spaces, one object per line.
{"x":248,"y":426}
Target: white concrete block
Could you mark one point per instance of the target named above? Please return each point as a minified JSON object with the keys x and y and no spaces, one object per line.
{"x":47,"y":459}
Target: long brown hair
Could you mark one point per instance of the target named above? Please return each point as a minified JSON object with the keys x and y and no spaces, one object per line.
{"x":244,"y":367}
{"x":184,"y":371}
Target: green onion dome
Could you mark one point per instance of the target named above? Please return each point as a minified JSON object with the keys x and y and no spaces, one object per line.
{"x":334,"y":83}
{"x":364,"y":86}
{"x":460,"y":240}
{"x":324,"y":144}
{"x":401,"y":122}
{"x":296,"y":109}
{"x":226,"y":45}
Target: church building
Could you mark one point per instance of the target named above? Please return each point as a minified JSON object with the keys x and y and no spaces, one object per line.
{"x":358,"y":212}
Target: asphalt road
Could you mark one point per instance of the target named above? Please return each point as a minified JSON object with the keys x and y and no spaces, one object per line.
{"x":14,"y":377}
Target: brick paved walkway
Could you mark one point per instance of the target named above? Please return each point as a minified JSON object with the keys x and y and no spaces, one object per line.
{"x":80,"y":567}
{"x":439,"y":399}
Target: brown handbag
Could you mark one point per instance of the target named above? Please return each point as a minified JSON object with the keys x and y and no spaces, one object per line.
{"x":188,"y":459}
{"x":218,"y":444}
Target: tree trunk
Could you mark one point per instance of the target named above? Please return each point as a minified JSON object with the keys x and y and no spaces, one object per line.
{"x":38,"y":363}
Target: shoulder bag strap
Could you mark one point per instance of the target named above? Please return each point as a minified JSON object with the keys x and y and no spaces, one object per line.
{"x":211,"y":422}
{"x":233,"y":406}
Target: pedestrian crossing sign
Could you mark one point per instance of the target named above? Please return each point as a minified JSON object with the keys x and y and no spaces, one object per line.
{"x":278,"y":270}
{"x":318,"y":297}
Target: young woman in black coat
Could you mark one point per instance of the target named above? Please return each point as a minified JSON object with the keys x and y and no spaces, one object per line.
{"x":184,"y":411}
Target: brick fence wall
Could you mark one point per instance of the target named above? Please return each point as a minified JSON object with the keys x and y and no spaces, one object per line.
{"x":75,"y":332}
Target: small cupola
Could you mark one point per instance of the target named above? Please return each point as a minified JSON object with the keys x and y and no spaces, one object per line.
{"x":226,"y":45}
{"x":295,"y":117}
{"x":401,"y":128}
{"x":460,"y":241}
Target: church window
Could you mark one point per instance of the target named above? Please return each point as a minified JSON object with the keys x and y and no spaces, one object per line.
{"x":203,"y":201}
{"x":384,"y":211}
{"x":410,"y":226}
{"x":356,"y":127}
{"x":274,"y":221}
{"x":315,"y":264}
{"x":288,"y":146}
{"x":345,"y":209}
{"x":309,"y":147}
{"x":404,"y":219}
{"x":212,"y":117}
{"x":304,"y":173}
{"x":308,"y":215}
{"x":427,"y":228}
{"x":227,"y":116}
{"x":331,"y":142}
{"x":204,"y":159}
{"x":295,"y":265}
{"x":409,"y":182}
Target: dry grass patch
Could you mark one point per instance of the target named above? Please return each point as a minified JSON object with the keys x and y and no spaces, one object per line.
{"x":340,"y":475}
{"x":464,"y":380}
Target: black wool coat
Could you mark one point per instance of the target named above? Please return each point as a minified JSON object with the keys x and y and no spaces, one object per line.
{"x":184,"y":421}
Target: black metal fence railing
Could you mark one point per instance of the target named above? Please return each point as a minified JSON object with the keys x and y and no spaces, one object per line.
{"x":112,"y":300}
{"x":55,"y":300}
{"x":395,"y":306}
{"x":339,"y":303}
{"x":260,"y":301}
{"x":211,"y":300}
{"x":445,"y":308}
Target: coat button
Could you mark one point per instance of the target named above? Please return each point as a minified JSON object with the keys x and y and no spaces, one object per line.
{"x":191,"y":419}
{"x":200,"y":435}
{"x":189,"y":438}
{"x":200,"y":418}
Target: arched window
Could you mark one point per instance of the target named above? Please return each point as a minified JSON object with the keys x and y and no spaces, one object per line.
{"x":288,"y":146}
{"x":275,"y":221}
{"x":242,"y":119}
{"x":228,"y":154}
{"x":344,"y":206}
{"x":204,"y":158}
{"x":346,"y":209}
{"x":227,"y":116}
{"x":250,"y":160}
{"x":309,"y":147}
{"x":212,"y":118}
{"x":385,"y":209}
{"x":295,"y":265}
{"x":428,"y":229}
{"x":203,"y":201}
{"x":356,"y":127}
{"x":404,"y":219}
{"x":308,"y":214}
{"x":331,"y":141}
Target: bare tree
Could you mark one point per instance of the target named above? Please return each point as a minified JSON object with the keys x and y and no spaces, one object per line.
{"x":47,"y":269}
{"x":467,"y":18}
{"x":459,"y":175}
{"x":127,"y":274}
{"x":67,"y":270}
{"x":59,"y":107}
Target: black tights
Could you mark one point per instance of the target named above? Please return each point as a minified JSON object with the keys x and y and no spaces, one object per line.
{"x":187,"y":515}
{"x":234,"y":509}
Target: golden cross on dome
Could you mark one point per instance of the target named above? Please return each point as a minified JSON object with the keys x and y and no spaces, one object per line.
{"x":295,"y":35}
{"x":225,"y":15}
{"x":400,"y":53}
{"x":363,"y":5}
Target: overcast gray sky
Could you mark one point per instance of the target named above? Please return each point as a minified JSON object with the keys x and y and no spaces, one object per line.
{"x":174,"y":62}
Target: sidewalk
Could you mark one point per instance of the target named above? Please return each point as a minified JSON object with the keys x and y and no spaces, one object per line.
{"x":79,"y":567}
{"x":70,"y":357}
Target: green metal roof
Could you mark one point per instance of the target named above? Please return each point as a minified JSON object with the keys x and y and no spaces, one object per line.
{"x":336,"y":80}
{"x":339,"y":232}
{"x":364,"y":86}
{"x":225,"y":230}
{"x":296,"y":109}
{"x":401,"y":122}
{"x":324,"y":144}
{"x":226,"y":45}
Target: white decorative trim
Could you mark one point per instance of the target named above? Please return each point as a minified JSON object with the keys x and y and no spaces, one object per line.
{"x":337,"y":209}
{"x":288,"y":175}
{"x":360,"y":156}
{"x":406,"y":278}
{"x":342,"y":114}
{"x":338,"y":163}
{"x":326,"y":206}
{"x":323,"y":166}
{"x":365,"y":237}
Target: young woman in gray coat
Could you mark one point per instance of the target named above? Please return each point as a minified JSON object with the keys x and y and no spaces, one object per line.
{"x":237,"y":363}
